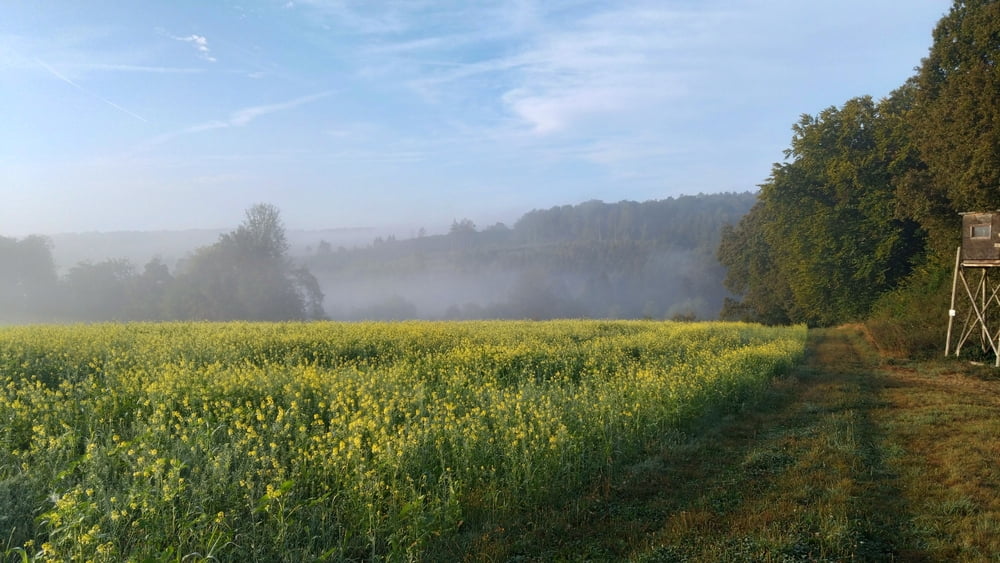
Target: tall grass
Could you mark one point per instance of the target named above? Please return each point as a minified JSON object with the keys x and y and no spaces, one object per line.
{"x":911,"y":321}
{"x":336,"y":441}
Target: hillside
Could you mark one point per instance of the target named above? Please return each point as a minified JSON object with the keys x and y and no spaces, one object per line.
{"x":69,"y":249}
{"x":653,"y":259}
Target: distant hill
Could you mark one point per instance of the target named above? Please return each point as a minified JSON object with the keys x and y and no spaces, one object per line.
{"x":652,"y":259}
{"x":139,"y":247}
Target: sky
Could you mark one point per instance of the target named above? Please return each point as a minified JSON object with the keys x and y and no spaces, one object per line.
{"x":150,"y":115}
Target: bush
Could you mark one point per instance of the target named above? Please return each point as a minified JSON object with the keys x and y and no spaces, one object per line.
{"x":912,"y":321}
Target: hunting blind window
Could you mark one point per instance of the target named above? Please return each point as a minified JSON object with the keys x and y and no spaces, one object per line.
{"x":980,"y":231}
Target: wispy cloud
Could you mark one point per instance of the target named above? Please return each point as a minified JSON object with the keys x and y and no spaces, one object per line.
{"x":200,"y":43}
{"x":548,"y":66}
{"x":619,"y":62}
{"x":246,"y":115}
{"x":79,"y":53}
{"x":56,"y":73}
{"x":238,"y":118}
{"x":110,"y":67}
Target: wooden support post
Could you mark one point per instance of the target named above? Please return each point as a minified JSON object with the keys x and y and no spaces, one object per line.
{"x":951,"y":310}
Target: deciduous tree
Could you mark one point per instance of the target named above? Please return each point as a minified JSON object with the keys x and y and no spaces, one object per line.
{"x":956,"y":120}
{"x":247,"y":275}
{"x":827,"y":220}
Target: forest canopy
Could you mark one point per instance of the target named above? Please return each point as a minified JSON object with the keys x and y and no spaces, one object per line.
{"x":861,"y":220}
{"x":246,"y":275}
{"x":653,"y":259}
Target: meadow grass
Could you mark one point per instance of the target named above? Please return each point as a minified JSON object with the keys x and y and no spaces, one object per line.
{"x":849,"y":457}
{"x":400,"y":441}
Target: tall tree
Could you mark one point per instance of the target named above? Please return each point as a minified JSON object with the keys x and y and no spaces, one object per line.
{"x":261,"y":235}
{"x":956,"y":119}
{"x":752,"y":274}
{"x":828,"y":220}
{"x":247,"y":275}
{"x":28,"y":278}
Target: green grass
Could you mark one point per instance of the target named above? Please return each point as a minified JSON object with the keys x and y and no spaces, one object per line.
{"x":849,"y":457}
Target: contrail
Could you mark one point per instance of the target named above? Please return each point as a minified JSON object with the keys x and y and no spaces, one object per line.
{"x":87,"y":92}
{"x":238,"y":118}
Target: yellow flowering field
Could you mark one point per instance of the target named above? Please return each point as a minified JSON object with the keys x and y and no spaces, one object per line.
{"x":256,"y":441}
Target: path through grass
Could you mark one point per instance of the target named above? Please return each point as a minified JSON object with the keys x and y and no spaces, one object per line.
{"x":846,"y":458}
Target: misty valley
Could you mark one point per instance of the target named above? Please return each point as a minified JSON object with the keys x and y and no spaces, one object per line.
{"x":654,"y":259}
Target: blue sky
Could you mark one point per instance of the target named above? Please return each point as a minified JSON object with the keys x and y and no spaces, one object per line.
{"x":142,"y":115}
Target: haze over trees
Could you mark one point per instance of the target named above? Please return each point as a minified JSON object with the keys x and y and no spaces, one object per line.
{"x":27,"y":279}
{"x":862,"y":219}
{"x":653,"y":259}
{"x":246,"y":275}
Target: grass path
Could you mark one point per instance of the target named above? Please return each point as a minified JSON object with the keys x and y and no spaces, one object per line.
{"x":849,"y":457}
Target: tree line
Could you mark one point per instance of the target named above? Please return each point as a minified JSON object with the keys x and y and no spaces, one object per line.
{"x":246,"y":275}
{"x":861,"y":219}
{"x":652,"y":259}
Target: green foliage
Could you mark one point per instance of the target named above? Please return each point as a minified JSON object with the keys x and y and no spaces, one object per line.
{"x":954,"y":130}
{"x":752,"y":273}
{"x":27,"y":278}
{"x":824,"y":242}
{"x":911,"y":321}
{"x":872,"y":189}
{"x":627,"y":259}
{"x":955,"y":118}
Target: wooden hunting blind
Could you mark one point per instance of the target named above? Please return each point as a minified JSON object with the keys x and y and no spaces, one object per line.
{"x":981,"y":239}
{"x":978,"y":302}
